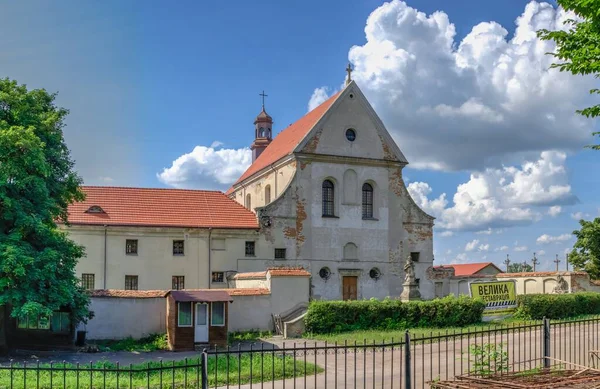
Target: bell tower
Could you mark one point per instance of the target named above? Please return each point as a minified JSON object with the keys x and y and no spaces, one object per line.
{"x":263,"y":135}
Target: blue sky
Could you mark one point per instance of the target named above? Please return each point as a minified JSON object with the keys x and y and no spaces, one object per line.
{"x":148,"y":83}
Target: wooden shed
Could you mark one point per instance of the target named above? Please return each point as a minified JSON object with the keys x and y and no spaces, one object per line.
{"x":197,"y":317}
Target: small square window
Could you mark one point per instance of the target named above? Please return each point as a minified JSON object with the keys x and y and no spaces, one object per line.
{"x":178,"y":282}
{"x":131,"y":246}
{"x":414,"y":256}
{"x":61,"y":322}
{"x":218,"y":276}
{"x":250,"y":246}
{"x":184,"y":314}
{"x":131,"y":282}
{"x":217,"y":317}
{"x":418,"y":282}
{"x":279,"y":253}
{"x":88,"y":281}
{"x":178,"y":247}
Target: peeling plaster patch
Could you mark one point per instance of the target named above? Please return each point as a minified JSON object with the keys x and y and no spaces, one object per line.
{"x":303,"y":165}
{"x":421,"y":232}
{"x":296,"y":233}
{"x":388,"y":155}
{"x":396,"y":182}
{"x":311,"y":145}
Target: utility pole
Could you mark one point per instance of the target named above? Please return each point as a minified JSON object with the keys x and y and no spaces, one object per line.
{"x":534,"y":261}
{"x":567,"y":260}
{"x":557,"y":261}
{"x":507,"y":262}
{"x":524,"y":266}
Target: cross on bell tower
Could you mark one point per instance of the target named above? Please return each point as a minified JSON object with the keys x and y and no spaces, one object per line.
{"x":349,"y":71}
{"x":263,"y":134}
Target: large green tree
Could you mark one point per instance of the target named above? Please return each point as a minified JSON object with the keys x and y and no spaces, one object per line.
{"x":37,"y":183}
{"x":586,"y":250}
{"x":578,"y":48}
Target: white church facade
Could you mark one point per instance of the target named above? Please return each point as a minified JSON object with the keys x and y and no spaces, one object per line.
{"x":325,"y":194}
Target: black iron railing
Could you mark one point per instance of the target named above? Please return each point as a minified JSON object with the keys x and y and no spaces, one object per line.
{"x":411,"y":362}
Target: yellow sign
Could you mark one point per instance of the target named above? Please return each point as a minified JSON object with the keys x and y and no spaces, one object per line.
{"x":496,"y":294}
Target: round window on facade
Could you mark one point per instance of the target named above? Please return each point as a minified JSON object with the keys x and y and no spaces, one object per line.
{"x":375,"y":273}
{"x":351,"y":135}
{"x":325,"y":273}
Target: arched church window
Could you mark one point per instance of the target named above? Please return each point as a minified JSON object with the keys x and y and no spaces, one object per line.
{"x":248,"y":201}
{"x":267,"y":194}
{"x":367,"y":201}
{"x":261,"y":132}
{"x":328,"y":198}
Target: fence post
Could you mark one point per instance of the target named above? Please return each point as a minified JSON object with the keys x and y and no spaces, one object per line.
{"x":546,"y":345}
{"x":407,"y":363}
{"x":204,"y":367}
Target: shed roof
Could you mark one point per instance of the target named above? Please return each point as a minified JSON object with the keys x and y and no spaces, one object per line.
{"x":203,"y":296}
{"x":469,"y":269}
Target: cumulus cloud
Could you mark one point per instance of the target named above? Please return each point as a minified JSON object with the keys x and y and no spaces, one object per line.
{"x":554,"y":210}
{"x":319,"y":96}
{"x":207,"y":168}
{"x":485,"y":232}
{"x":541,"y":252}
{"x":579,"y":215}
{"x":501,"y":197}
{"x":471,"y":245}
{"x":483,"y":247}
{"x":446,"y":234}
{"x":434,"y":92}
{"x":546,"y":239}
{"x":520,"y":248}
{"x":501,"y":248}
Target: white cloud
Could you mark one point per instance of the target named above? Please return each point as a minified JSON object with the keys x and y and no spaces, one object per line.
{"x":319,"y":96}
{"x":579,"y":215}
{"x":446,"y":234}
{"x":460,"y":258}
{"x":106,"y":179}
{"x":541,"y":252}
{"x":471,"y":245}
{"x":485,"y":232}
{"x":449,"y":251}
{"x":520,"y":248}
{"x":207,"y":168}
{"x":545,"y":239}
{"x":501,"y":248}
{"x":483,"y":247}
{"x":500,"y":197}
{"x":554,"y":210}
{"x":433,"y":92}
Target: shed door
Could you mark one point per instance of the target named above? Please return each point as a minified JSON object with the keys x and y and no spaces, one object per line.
{"x":349,"y":284}
{"x":201,"y":326}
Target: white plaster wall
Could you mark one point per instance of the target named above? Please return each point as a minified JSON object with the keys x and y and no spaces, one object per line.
{"x":250,"y":313}
{"x":278,"y":178}
{"x":118,"y":318}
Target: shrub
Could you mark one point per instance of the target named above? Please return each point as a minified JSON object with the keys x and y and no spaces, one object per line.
{"x":325,"y":317}
{"x":557,"y":306}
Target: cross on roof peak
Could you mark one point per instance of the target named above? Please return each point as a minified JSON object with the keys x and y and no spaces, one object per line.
{"x":263,"y":99}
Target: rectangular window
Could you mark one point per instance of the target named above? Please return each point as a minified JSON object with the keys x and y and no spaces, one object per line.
{"x":178,"y":247}
{"x":217,"y":318}
{"x":131,"y":282}
{"x":88,"y":281}
{"x":418,"y":282}
{"x":414,"y":257}
{"x":279,"y":253}
{"x":250,"y":246}
{"x":131,"y":246}
{"x":218,"y":276}
{"x":184,"y":314}
{"x":178,"y":282}
{"x":218,"y":244}
{"x":61,"y":322}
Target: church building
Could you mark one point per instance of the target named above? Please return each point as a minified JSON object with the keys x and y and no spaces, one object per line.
{"x":325,"y":194}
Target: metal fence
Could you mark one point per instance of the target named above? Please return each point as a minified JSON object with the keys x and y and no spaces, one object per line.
{"x":410,"y":362}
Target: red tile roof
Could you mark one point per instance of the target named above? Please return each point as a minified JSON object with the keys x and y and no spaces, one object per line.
{"x":249,"y":292}
{"x":250,"y":275}
{"x":118,"y":293}
{"x":469,"y":269}
{"x":287,"y":140}
{"x":160,"y":208}
{"x":542,"y":274}
{"x":288,"y":272}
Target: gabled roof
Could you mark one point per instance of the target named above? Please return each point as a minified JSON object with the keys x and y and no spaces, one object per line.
{"x":469,"y":269}
{"x":286,"y":141}
{"x":159,"y":208}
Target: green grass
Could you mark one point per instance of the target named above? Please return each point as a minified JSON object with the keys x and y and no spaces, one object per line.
{"x":379,"y":336}
{"x":248,"y":336}
{"x":272,"y":367}
{"x":152,"y":342}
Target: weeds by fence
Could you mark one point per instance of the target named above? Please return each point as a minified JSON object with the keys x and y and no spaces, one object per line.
{"x":411,"y":362}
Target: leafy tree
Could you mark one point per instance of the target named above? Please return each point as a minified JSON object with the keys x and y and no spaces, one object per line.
{"x":586,"y":250}
{"x":578,"y":48}
{"x":519,"y":268}
{"x":37,"y":183}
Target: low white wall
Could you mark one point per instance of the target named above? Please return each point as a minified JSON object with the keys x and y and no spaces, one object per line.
{"x":250,"y":313}
{"x":118,"y":318}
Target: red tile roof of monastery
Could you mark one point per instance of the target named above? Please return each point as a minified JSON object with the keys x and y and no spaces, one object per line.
{"x":468,"y":269}
{"x":161,"y":208}
{"x":288,"y":272}
{"x":287,"y":140}
{"x":248,"y":291}
{"x":541,"y":274}
{"x":250,"y":275}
